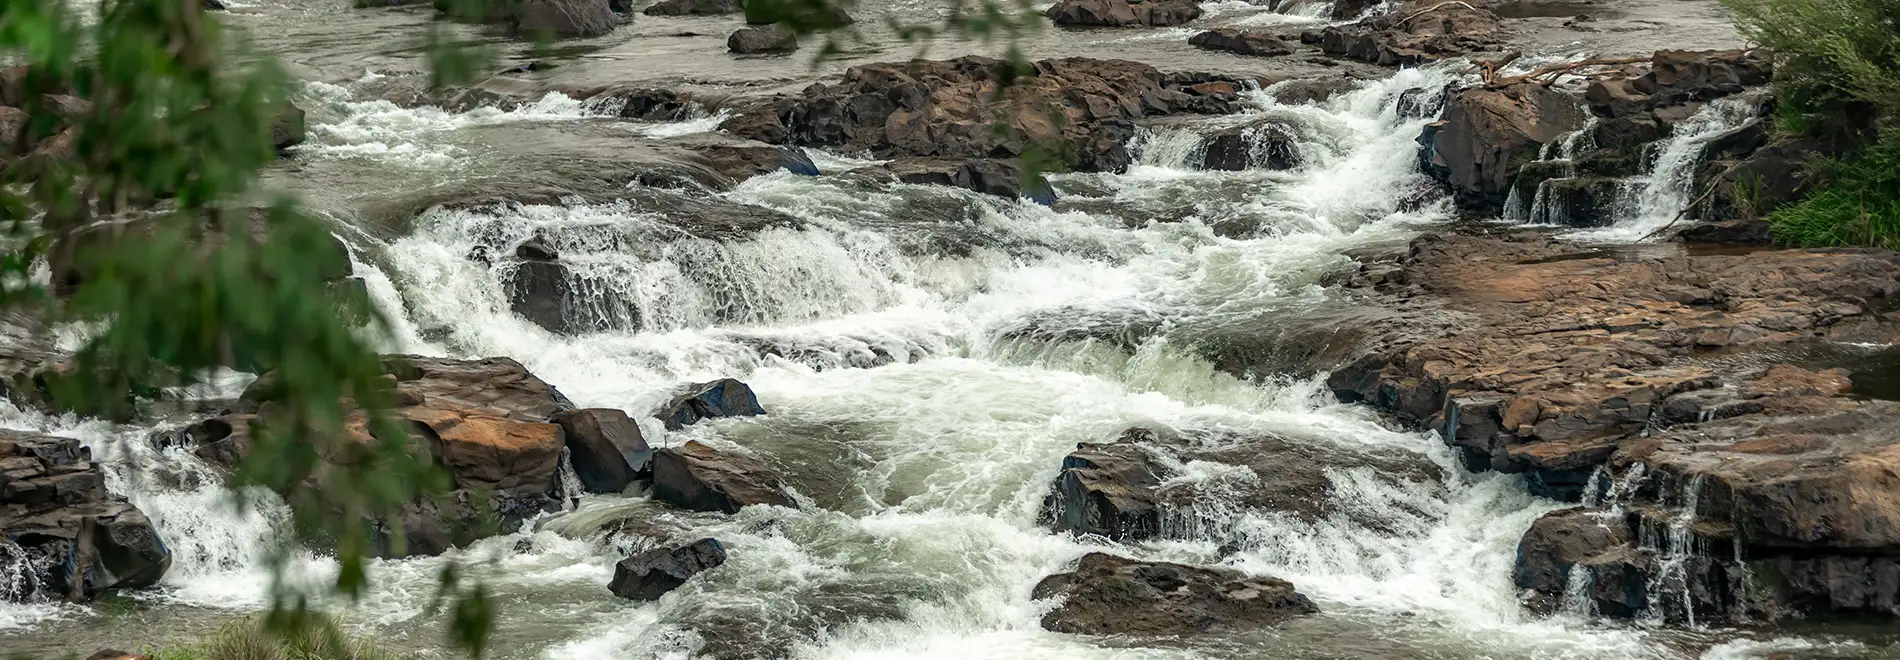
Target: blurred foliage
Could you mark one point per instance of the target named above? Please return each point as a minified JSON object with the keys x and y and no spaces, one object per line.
{"x":312,"y":637}
{"x":136,"y":179}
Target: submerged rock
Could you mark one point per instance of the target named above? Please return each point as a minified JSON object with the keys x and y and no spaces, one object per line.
{"x":698,"y":477}
{"x":605,"y":446}
{"x":1245,"y":42}
{"x":73,"y":538}
{"x":1123,"y":13}
{"x":1109,"y":595}
{"x":725,"y":397}
{"x":652,"y":574}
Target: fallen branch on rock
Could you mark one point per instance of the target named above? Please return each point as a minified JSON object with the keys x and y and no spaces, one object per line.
{"x":1692,"y":203}
{"x":1434,"y":8}
{"x":1555,"y":71}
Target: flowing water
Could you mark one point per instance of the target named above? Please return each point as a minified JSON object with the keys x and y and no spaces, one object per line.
{"x":1648,"y":203}
{"x":927,"y":355}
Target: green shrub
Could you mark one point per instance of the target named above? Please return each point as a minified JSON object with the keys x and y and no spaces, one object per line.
{"x":312,"y":638}
{"x":1859,"y":205}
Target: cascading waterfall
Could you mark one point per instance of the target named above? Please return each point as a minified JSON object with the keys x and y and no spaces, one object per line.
{"x":1545,"y":208}
{"x":1659,"y":197}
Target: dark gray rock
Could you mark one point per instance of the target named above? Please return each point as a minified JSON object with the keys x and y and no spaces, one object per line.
{"x":57,"y":518}
{"x":757,"y":39}
{"x":1245,"y":42}
{"x":693,"y":8}
{"x":565,"y":19}
{"x":725,"y":397}
{"x":1123,"y":13}
{"x":652,"y":574}
{"x":1266,"y":145}
{"x":606,"y":447}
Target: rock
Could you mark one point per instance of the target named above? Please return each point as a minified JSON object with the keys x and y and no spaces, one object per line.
{"x":762,"y":39}
{"x":287,"y":128}
{"x":1123,"y":13}
{"x":1558,"y":358}
{"x":1310,"y":91}
{"x":693,"y":8}
{"x":210,"y":5}
{"x":652,"y":574}
{"x":13,"y":123}
{"x":1245,"y":42}
{"x":485,"y":421}
{"x":1745,"y":231}
{"x":1414,"y":34}
{"x":1486,"y":134}
{"x":654,"y":104}
{"x":749,"y":159}
{"x":1109,"y":595}
{"x":549,"y":294}
{"x":804,"y":15}
{"x":75,"y":539}
{"x":69,"y":109}
{"x":1121,"y":490}
{"x":606,"y":447}
{"x":1265,"y":145}
{"x":72,"y":253}
{"x":1346,"y":10}
{"x":1560,"y":540}
{"x":697,"y":477}
{"x":990,"y":176}
{"x":955,"y":109}
{"x":564,"y":19}
{"x":725,"y":397}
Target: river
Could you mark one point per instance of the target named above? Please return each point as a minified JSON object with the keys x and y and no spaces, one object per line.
{"x":937,"y":353}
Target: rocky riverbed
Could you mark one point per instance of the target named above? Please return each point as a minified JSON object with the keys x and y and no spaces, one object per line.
{"x":1217,"y":330}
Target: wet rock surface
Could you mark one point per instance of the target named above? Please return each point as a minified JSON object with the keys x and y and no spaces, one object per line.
{"x":70,"y":538}
{"x":1244,"y":42}
{"x":484,"y":421}
{"x":962,"y":109}
{"x":762,"y":39}
{"x":698,"y":477}
{"x":1412,"y":33}
{"x":1129,"y":490}
{"x":652,"y":574}
{"x":1110,"y":595}
{"x":605,"y":446}
{"x":1559,"y":357}
{"x":1487,"y":134}
{"x":725,"y":397}
{"x":1123,"y":13}
{"x":564,"y":19}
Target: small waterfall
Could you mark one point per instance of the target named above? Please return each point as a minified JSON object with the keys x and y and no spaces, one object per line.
{"x":1675,"y":553}
{"x":1577,"y":601}
{"x":1559,"y":158}
{"x":19,"y":579}
{"x":571,"y":490}
{"x":1650,"y":202}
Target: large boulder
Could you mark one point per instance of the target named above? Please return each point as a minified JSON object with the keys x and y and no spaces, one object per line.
{"x":1110,"y":595}
{"x":1267,"y":145}
{"x":1414,"y":34}
{"x":725,"y":397}
{"x":564,"y":19}
{"x":1245,"y":42}
{"x":652,"y":574}
{"x":960,"y":109}
{"x":486,"y":422}
{"x":1557,"y":542}
{"x":1123,"y":13}
{"x":1487,"y":134}
{"x":697,"y":477}
{"x":605,"y":446}
{"x":1125,"y":490}
{"x":73,"y":539}
{"x":693,"y":8}
{"x":754,"y":39}
{"x":546,"y":292}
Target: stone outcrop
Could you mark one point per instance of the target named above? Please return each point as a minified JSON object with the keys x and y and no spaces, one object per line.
{"x":1245,"y":42}
{"x":1488,"y":134}
{"x":725,"y":397}
{"x":693,"y":8}
{"x":605,"y":446}
{"x":697,"y":477}
{"x":990,"y":176}
{"x":1123,"y":13}
{"x":1552,"y":359}
{"x":652,"y":574}
{"x":1110,"y":595}
{"x":62,"y":535}
{"x":1414,"y":33}
{"x":564,"y":19}
{"x":1266,"y":145}
{"x":548,"y":293}
{"x":757,"y":39}
{"x":962,"y":109}
{"x":486,"y":422}
{"x":1122,"y":490}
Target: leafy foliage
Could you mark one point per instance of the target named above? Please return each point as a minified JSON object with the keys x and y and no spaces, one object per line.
{"x":1858,"y":206}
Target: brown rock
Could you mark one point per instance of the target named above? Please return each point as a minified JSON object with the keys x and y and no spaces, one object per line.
{"x":606,"y":447}
{"x":1245,"y":42}
{"x":1486,"y":134}
{"x":565,"y":19}
{"x":773,"y":38}
{"x":75,"y":539}
{"x":1413,"y":34}
{"x":1109,"y":595}
{"x":1559,"y":541}
{"x":698,"y":477}
{"x":1123,"y":13}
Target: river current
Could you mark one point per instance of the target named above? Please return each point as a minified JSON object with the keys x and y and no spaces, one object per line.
{"x":935,"y":353}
